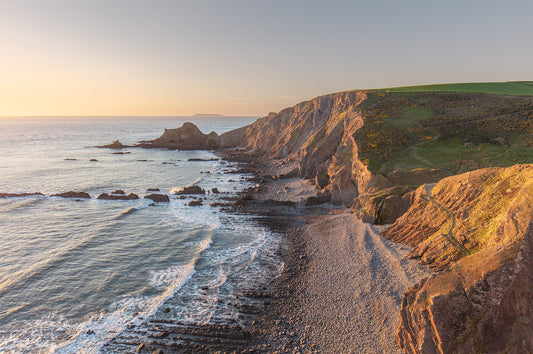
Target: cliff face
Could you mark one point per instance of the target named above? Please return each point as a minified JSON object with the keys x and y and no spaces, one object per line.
{"x":390,"y":157}
{"x":318,"y":134}
{"x":371,"y":150}
{"x":476,"y":229}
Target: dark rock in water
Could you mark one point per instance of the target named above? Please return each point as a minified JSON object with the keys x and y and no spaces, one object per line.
{"x":93,"y":160}
{"x":318,"y":199}
{"x":191,"y":190}
{"x":118,"y":191}
{"x":219,"y":204}
{"x":152,"y":190}
{"x":199,"y":159}
{"x":114,"y":145}
{"x":158,"y":197}
{"x":215,"y":190}
{"x":16,"y":195}
{"x":121,"y":152}
{"x":196,"y":202}
{"x":71,"y":159}
{"x":105,"y":196}
{"x":72,"y":194}
{"x":187,"y":137}
{"x":166,"y":310}
{"x":89,"y":331}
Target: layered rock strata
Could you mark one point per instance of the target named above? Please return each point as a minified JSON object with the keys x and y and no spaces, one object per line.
{"x":476,"y":230}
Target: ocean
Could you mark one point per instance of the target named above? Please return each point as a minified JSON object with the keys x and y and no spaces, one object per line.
{"x":75,"y":273}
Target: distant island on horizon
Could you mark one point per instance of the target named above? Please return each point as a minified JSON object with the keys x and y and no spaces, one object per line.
{"x":208,"y":115}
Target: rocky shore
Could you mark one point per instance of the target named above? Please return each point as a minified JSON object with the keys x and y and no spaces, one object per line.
{"x":422,"y":162}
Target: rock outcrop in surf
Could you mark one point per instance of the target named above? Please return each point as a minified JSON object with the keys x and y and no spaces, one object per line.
{"x":186,"y":137}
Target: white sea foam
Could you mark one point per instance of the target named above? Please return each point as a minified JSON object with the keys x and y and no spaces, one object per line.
{"x":171,"y":277}
{"x":94,"y":332}
{"x":144,"y":204}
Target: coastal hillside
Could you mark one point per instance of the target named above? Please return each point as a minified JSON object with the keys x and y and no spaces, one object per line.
{"x":451,"y":171}
{"x":370,"y":150}
{"x":381,"y":153}
{"x":476,"y":230}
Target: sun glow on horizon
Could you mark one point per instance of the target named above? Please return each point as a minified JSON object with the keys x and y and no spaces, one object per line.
{"x":133,"y":58}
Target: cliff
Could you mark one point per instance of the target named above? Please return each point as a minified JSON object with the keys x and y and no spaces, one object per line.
{"x":371,"y":150}
{"x":382,"y":153}
{"x":424,"y":163}
{"x":476,"y":230}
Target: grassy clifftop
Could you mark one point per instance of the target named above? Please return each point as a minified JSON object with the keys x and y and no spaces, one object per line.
{"x":454,"y":132}
{"x":515,"y":88}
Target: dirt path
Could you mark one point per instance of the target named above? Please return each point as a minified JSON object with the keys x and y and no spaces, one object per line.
{"x":449,"y":236}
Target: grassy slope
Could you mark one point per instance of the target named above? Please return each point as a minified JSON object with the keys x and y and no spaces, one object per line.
{"x":496,"y":88}
{"x":455,"y":132}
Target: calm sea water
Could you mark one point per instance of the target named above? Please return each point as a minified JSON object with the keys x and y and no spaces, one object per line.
{"x":68,"y":267}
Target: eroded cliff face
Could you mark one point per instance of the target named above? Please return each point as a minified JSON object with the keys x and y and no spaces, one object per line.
{"x":319,"y":135}
{"x":474,"y":229}
{"x":477,"y":231}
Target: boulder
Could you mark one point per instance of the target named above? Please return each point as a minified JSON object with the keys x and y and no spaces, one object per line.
{"x":191,"y":190}
{"x":118,"y":191}
{"x":114,"y":145}
{"x":215,"y":190}
{"x":105,"y":196}
{"x":158,"y":197}
{"x":318,"y":199}
{"x":72,"y":194}
{"x":196,"y":202}
{"x":200,"y":159}
{"x":152,"y":190}
{"x":16,"y":195}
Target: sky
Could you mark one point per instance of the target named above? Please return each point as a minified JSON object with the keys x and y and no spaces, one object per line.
{"x":246,"y":57}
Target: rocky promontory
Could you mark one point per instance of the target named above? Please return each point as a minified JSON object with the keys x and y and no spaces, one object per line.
{"x":187,"y":137}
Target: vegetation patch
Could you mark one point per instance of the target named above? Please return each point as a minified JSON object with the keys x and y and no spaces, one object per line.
{"x":517,"y":88}
{"x":455,"y":132}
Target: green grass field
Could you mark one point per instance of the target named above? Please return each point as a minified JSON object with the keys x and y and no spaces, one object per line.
{"x":514,"y":88}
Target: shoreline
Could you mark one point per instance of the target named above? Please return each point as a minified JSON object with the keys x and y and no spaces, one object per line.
{"x":342,"y":283}
{"x":340,"y":289}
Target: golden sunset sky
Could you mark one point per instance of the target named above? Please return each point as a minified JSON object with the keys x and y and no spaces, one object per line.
{"x":130,"y":57}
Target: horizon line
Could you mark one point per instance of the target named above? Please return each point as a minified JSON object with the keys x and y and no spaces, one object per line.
{"x":123,"y":116}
